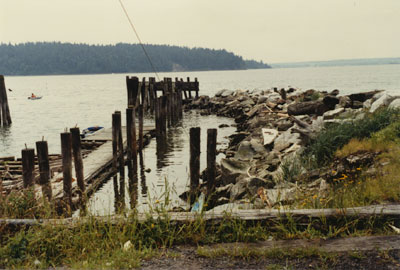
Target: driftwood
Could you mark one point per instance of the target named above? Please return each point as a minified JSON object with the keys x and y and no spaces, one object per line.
{"x":389,"y":211}
{"x":363,"y":243}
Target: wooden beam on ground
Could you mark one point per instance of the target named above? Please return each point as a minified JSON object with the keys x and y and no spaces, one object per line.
{"x":389,"y":211}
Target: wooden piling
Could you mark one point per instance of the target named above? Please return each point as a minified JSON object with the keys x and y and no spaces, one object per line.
{"x":5,"y":116}
{"x":143,"y":92}
{"x":141,"y":128}
{"x":28,"y":166}
{"x":168,"y":102}
{"x":211,"y":159}
{"x":44,"y":168}
{"x":77,"y":153}
{"x":189,"y":89}
{"x":66,"y":145}
{"x":183,"y":89}
{"x":133,"y":90}
{"x":194,"y":158}
{"x":196,"y":83}
{"x":157,"y":117}
{"x":116,"y":124}
{"x":164,"y":115}
{"x":152,"y":96}
{"x":129,"y":112}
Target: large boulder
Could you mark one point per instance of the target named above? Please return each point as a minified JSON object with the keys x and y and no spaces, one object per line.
{"x":308,"y":107}
{"x":330,"y":101}
{"x":232,"y":168}
{"x":395,"y":104}
{"x":363,"y":96}
{"x":384,"y":100}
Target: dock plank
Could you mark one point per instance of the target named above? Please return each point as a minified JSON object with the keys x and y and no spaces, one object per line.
{"x":93,"y":164}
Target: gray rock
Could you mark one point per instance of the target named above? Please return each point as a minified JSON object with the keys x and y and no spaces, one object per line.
{"x":384,"y":100}
{"x":247,"y":102}
{"x":232,"y":168}
{"x":274,"y":97}
{"x":367,"y":104}
{"x":255,"y":183}
{"x":223,"y":191}
{"x":395,"y":104}
{"x":345,"y":102}
{"x":245,"y":151}
{"x":357,"y":104}
{"x":258,"y":147}
{"x":262,"y":99}
{"x":219,"y":93}
{"x":332,"y":114}
{"x":226,"y":93}
{"x":284,"y":125}
{"x":280,"y":195}
{"x":269,"y":135}
{"x":238,"y":190}
{"x":285,"y":140}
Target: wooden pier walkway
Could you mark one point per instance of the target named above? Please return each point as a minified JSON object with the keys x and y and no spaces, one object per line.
{"x":97,"y":164}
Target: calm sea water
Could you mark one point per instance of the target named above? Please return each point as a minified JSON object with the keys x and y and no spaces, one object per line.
{"x":87,"y":100}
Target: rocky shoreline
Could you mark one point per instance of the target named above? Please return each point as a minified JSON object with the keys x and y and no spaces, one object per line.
{"x":273,"y":127}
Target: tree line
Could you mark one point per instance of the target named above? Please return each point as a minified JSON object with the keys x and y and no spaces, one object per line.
{"x":50,"y":58}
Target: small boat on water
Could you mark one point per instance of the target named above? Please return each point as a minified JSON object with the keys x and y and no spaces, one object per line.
{"x":33,"y":98}
{"x":90,"y":131}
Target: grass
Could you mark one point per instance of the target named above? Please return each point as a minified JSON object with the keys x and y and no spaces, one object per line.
{"x":101,"y":244}
{"x":97,"y":244}
{"x":321,"y":150}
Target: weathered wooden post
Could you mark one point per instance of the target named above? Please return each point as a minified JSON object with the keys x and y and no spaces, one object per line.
{"x":189,"y":87}
{"x":5,"y":116}
{"x":196,"y":84}
{"x":66,"y":145}
{"x":143,"y":92}
{"x":129,"y":112}
{"x":28,"y":166}
{"x":121,"y":164}
{"x":77,"y":152}
{"x":157,"y":102}
{"x":44,"y":168}
{"x":141,"y":128}
{"x":211,"y":157}
{"x":152,"y":97}
{"x":116,"y":125}
{"x":184,"y":89}
{"x":168,"y":108}
{"x":164,"y":115}
{"x":133,"y":89}
{"x":194,"y":158}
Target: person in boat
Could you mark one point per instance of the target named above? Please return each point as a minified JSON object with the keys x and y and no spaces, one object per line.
{"x":33,"y":95}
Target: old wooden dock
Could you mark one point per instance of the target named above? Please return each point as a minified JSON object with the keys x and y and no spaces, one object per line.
{"x":70,"y":178}
{"x":97,"y":165}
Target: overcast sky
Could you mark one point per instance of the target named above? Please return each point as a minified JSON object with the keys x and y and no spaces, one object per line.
{"x":269,"y":30}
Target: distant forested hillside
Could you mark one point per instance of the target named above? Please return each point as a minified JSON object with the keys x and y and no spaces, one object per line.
{"x":346,"y":62}
{"x":44,"y":58}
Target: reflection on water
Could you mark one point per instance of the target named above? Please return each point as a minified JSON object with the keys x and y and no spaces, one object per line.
{"x":87,"y":100}
{"x":164,"y":166}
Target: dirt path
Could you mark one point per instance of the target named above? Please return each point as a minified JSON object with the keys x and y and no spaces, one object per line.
{"x":369,"y":253}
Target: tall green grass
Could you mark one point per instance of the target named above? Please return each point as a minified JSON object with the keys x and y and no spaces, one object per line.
{"x":335,"y":136}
